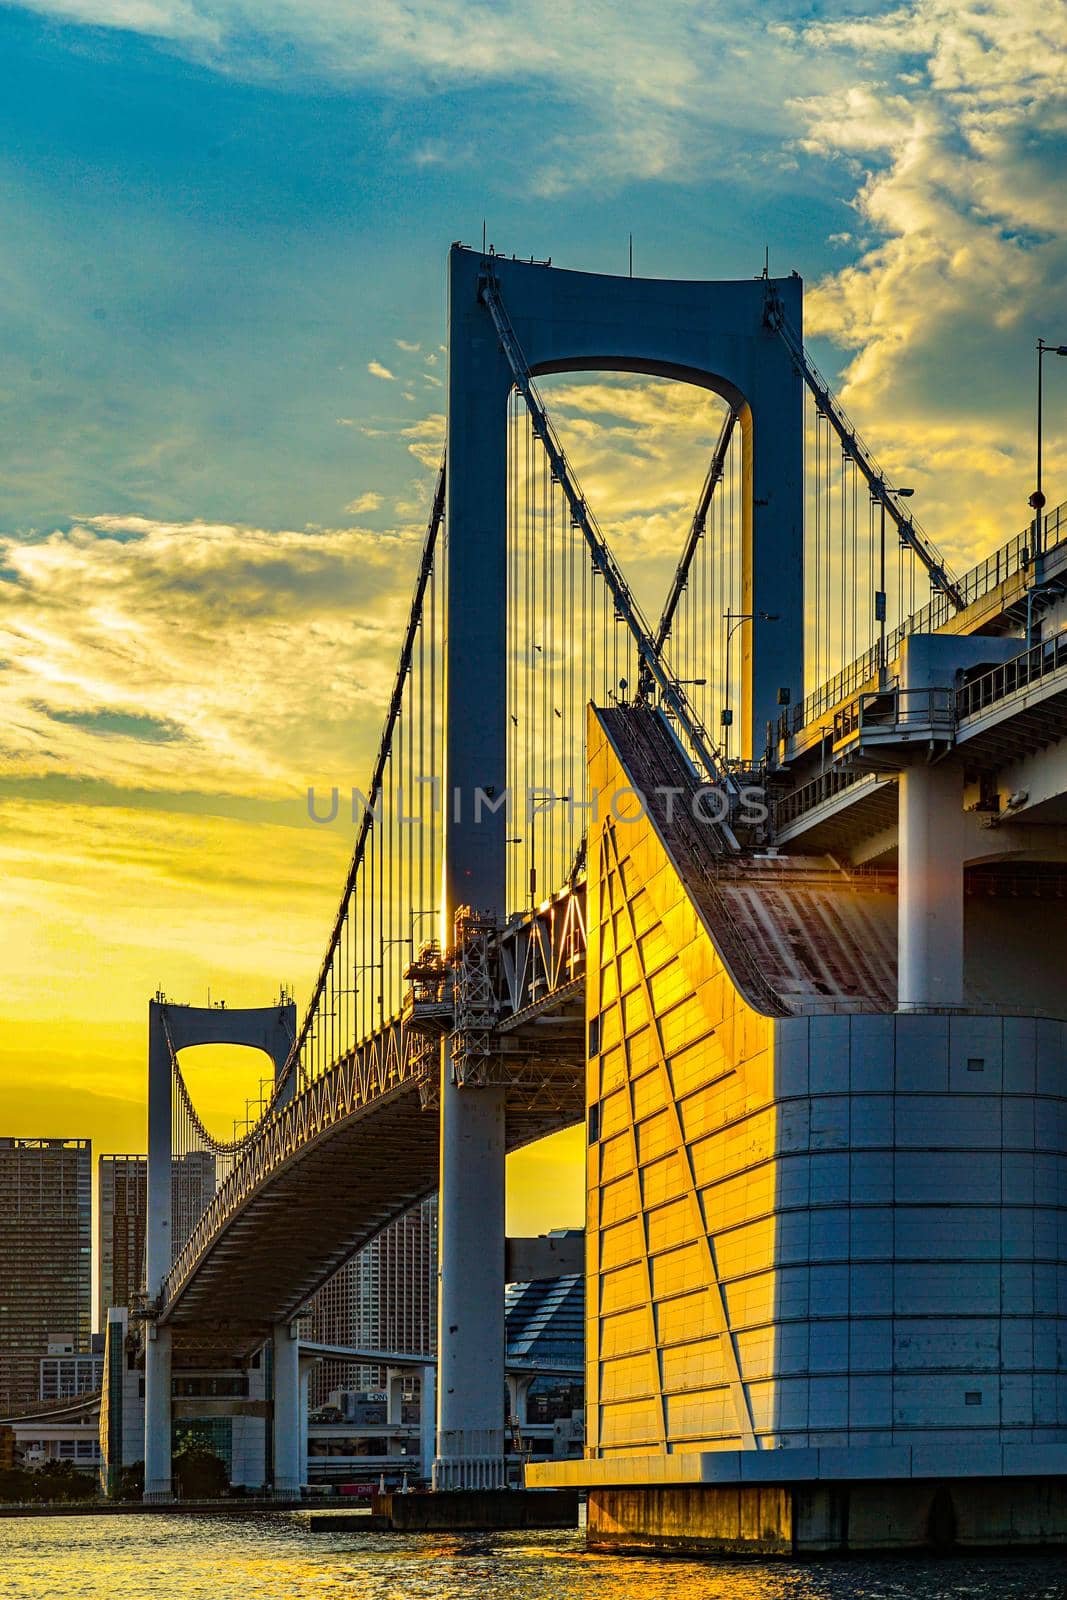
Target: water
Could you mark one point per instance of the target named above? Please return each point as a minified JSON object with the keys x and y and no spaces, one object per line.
{"x":270,"y":1558}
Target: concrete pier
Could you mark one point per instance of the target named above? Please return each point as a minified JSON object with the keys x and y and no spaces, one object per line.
{"x":288,"y":1423}
{"x":157,"y":1415}
{"x":768,"y":1520}
{"x":477,"y":1510}
{"x":470,"y":1395}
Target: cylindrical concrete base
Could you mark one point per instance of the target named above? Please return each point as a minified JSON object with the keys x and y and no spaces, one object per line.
{"x":157,"y":1415}
{"x":830,"y":1518}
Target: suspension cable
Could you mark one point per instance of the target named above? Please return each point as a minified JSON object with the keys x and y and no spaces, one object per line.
{"x":219,"y":1147}
{"x":910,"y":532}
{"x":384,"y":752}
{"x":697,"y":528}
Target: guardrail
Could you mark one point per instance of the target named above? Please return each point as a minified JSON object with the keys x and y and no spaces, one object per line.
{"x":889,"y":711}
{"x":939,"y":710}
{"x":1011,"y":676}
{"x":981,"y":580}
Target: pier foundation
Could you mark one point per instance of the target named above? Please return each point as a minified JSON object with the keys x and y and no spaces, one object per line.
{"x":769,"y":1520}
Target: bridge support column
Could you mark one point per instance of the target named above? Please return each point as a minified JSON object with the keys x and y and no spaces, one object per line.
{"x":427,"y":1420}
{"x":930,"y":891}
{"x":157,"y":1396}
{"x":306,"y":1364}
{"x":470,"y":1319}
{"x":288,"y":1422}
{"x":394,"y":1397}
{"x":518,"y":1396}
{"x":157,"y":1415}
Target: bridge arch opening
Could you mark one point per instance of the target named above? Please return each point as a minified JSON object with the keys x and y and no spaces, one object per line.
{"x":660,"y":458}
{"x":641,"y":438}
{"x":228,"y":1084}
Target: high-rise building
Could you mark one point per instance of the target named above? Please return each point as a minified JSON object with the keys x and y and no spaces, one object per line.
{"x":385,"y":1298}
{"x":120,"y":1235}
{"x":122,"y":1218}
{"x":45,"y":1257}
{"x":192,"y":1184}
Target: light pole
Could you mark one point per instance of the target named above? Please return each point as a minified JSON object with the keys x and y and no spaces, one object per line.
{"x":1032,"y":593}
{"x":735,"y":620}
{"x":879,"y":594}
{"x":1037,"y":499}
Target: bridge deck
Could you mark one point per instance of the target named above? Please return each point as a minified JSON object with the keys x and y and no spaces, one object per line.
{"x":796,"y":933}
{"x":329,"y":1196}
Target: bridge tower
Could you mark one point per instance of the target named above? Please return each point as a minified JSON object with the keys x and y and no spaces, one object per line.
{"x":172,"y":1028}
{"x":716,"y":336}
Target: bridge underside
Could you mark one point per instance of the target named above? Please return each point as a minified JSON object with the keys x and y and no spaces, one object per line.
{"x":326,"y":1202}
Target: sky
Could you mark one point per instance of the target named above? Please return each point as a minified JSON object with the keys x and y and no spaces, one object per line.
{"x":223,"y":235}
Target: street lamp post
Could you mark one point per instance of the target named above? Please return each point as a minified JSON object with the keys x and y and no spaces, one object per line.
{"x":735,"y":620}
{"x":879,"y":596}
{"x":1037,"y":499}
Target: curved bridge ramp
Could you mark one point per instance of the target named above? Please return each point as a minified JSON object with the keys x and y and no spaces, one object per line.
{"x":361,"y":1164}
{"x":797,"y":934}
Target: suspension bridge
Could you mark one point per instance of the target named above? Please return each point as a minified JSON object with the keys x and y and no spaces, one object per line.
{"x":588,"y":886}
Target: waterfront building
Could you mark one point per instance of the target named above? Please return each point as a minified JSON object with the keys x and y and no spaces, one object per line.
{"x":46,"y":1257}
{"x":193,"y":1179}
{"x":66,"y":1372}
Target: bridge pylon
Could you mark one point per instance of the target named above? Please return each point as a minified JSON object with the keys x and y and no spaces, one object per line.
{"x":172,"y":1028}
{"x":716,"y":336}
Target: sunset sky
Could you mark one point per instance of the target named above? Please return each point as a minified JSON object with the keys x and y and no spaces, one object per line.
{"x":223,"y":234}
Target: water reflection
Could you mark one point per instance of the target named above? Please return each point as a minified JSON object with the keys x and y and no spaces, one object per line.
{"x":182,"y":1558}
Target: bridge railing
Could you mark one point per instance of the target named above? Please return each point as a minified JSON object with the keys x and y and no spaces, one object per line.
{"x":1023,"y":670}
{"x":1011,"y":559}
{"x":943,"y":709}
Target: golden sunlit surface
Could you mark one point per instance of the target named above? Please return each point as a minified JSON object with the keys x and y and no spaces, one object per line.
{"x":94,"y":1558}
{"x":681,"y":1241}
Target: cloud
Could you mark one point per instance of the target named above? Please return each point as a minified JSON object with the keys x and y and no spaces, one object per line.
{"x":370,"y":501}
{"x":406,"y":344}
{"x":376,"y":370}
{"x":616,"y":92}
{"x":426,"y":439}
{"x":106,"y":630}
{"x":161,"y":19}
{"x":952,"y":136}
